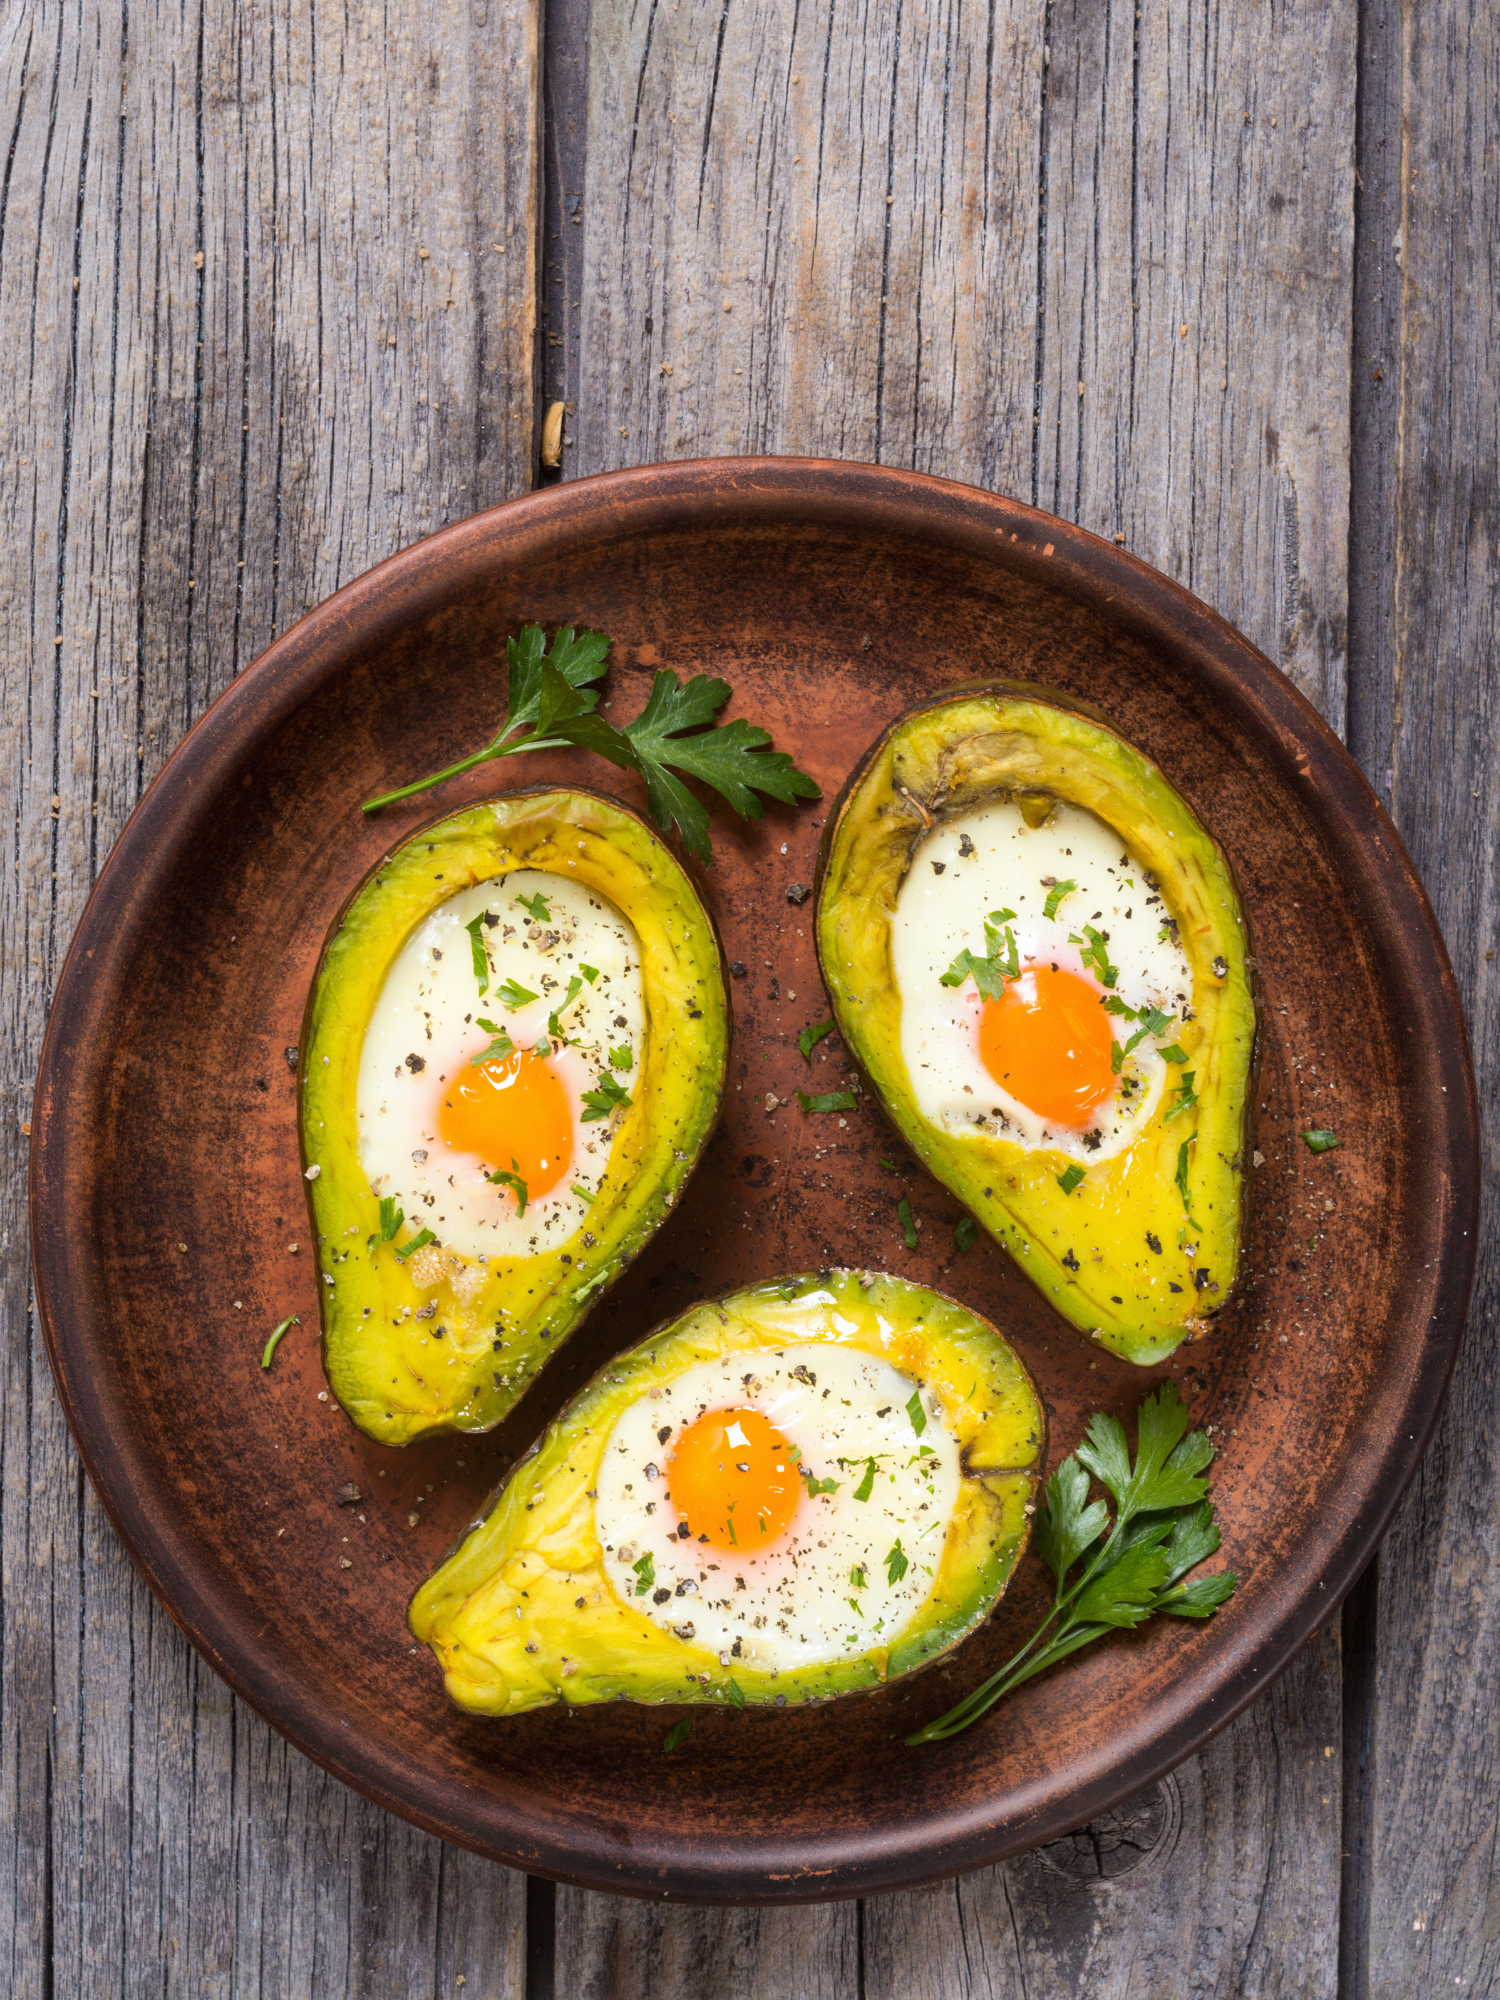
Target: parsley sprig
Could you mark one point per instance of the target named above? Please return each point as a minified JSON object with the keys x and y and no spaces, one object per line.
{"x":1122,"y":1571}
{"x":550,"y":704}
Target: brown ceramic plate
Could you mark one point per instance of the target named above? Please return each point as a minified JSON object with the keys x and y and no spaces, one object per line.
{"x":831,"y":597}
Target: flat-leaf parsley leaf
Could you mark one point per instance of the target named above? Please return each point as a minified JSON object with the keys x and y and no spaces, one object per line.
{"x":1133,"y":1566}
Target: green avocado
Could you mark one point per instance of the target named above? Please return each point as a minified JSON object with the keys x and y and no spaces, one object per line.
{"x":551,"y":1599}
{"x":1140,"y":1248}
{"x":420,"y":1336}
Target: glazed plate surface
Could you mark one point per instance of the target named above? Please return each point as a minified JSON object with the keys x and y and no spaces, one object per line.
{"x":831,"y":597}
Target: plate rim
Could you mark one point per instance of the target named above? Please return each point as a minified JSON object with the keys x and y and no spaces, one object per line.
{"x":867,"y":498}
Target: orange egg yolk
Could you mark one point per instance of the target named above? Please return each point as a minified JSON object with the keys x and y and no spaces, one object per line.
{"x":732,"y":1477}
{"x":1048,"y":1041}
{"x":513,"y":1111}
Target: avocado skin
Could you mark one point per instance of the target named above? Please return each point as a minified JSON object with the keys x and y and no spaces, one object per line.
{"x":536,"y":1552}
{"x":967,"y":747}
{"x":392,"y":1384}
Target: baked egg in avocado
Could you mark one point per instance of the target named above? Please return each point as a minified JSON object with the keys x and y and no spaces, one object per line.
{"x":513,"y":1057}
{"x":1036,"y":952}
{"x":797,"y":1491}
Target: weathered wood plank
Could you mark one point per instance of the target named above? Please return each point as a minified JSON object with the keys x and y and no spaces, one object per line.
{"x":609,"y":1948}
{"x":812,"y":230}
{"x":791,"y":212}
{"x":1430,"y":713}
{"x":1190,"y":1892}
{"x":1195,"y":321}
{"x":232,"y":381}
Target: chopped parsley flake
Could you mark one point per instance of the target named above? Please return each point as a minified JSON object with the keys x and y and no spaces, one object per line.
{"x":501,"y":1046}
{"x":816,"y":1486}
{"x":513,"y":996}
{"x":829,"y":1100}
{"x":607,"y":1098}
{"x":514,"y":1182}
{"x":575,"y":987}
{"x":990,"y":972}
{"x":481,"y":956}
{"x":1096,"y":952}
{"x":809,"y":1039}
{"x":1187,"y":1096}
{"x":278,"y":1334}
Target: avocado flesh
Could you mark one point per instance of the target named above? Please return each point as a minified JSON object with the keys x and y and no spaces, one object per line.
{"x":500,"y":1320}
{"x":1090,"y":1252}
{"x":526,"y":1612}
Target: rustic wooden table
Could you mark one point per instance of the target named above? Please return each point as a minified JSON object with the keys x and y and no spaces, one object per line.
{"x":283,"y":288}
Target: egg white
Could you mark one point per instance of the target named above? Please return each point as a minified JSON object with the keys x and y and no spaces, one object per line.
{"x":990,"y":859}
{"x":792,"y":1603}
{"x":428,"y":1009}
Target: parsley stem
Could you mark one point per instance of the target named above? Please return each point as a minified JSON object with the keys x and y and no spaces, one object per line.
{"x":1021,"y":1666}
{"x":498,"y":748}
{"x":277,"y":1334}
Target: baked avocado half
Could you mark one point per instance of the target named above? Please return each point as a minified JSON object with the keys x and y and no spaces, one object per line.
{"x":1036,"y":953}
{"x":800,"y":1490}
{"x":512,"y":1059}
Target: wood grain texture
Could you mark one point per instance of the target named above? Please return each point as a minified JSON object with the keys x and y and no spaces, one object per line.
{"x":1024,"y":248}
{"x":791,"y":212}
{"x":611,"y":1949}
{"x":1194,"y":325}
{"x":231,"y":381}
{"x":1040,"y":197}
{"x":1428,"y":731}
{"x":1202,"y":1890}
{"x":812,"y":230}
